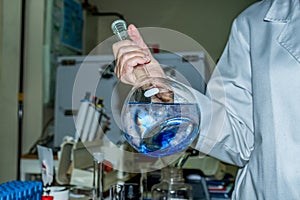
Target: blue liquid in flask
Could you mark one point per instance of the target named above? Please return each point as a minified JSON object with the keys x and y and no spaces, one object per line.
{"x":161,"y":129}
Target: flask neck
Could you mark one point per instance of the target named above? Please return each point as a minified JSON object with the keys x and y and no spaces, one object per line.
{"x":123,"y":35}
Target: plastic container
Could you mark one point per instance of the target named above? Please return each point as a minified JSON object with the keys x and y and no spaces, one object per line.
{"x":21,"y":190}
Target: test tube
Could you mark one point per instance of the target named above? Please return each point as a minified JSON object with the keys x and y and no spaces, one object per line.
{"x":98,"y":176}
{"x":81,"y":116}
{"x":96,"y":119}
{"x":88,"y":122}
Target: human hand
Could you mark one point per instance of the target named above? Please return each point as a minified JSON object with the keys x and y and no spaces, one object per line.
{"x":133,"y":54}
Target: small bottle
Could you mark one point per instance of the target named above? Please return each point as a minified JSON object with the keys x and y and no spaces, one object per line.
{"x":171,"y":186}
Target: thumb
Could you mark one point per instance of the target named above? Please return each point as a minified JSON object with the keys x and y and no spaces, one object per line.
{"x":136,"y":36}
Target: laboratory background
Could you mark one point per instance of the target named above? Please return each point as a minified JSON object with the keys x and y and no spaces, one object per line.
{"x":31,"y":76}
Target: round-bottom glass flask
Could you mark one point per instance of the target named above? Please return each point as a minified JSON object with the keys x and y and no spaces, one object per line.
{"x":171,"y":186}
{"x":157,"y":126}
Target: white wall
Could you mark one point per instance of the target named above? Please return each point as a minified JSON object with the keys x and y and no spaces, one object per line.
{"x":9,"y":81}
{"x":33,"y":73}
{"x":9,"y":84}
{"x":1,"y":24}
{"x":206,"y":21}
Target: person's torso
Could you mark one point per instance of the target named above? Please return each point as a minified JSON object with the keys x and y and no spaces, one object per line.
{"x":273,"y":172}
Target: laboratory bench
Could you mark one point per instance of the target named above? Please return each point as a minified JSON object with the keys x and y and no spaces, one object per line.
{"x":219,"y":176}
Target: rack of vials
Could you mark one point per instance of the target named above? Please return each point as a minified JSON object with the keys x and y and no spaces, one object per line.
{"x":21,"y":190}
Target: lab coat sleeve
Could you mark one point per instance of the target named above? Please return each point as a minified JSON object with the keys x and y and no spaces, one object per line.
{"x":226,"y":129}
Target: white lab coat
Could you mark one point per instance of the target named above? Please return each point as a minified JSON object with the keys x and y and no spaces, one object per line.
{"x":250,"y":115}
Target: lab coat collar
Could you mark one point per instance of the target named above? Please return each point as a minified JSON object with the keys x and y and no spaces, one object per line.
{"x":280,"y":11}
{"x":288,"y":13}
